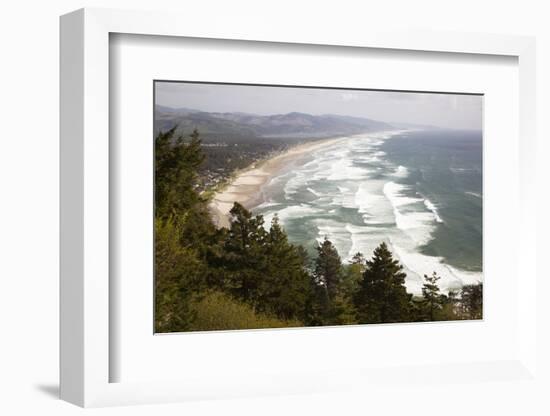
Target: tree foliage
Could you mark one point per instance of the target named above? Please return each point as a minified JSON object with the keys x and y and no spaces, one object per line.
{"x":178,"y":273}
{"x":471,"y":305}
{"x":433,"y":300}
{"x":176,"y":165}
{"x":382,"y":295}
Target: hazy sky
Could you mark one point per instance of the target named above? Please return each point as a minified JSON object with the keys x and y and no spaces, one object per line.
{"x":442,"y":110}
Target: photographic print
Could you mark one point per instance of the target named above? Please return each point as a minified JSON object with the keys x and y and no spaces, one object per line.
{"x":288,"y":206}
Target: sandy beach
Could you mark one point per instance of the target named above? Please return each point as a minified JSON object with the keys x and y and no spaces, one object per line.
{"x":245,"y":187}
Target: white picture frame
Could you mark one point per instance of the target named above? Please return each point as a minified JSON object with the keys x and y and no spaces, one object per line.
{"x":85,"y":220}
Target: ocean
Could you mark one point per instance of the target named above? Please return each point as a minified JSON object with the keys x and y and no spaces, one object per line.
{"x":419,"y":191}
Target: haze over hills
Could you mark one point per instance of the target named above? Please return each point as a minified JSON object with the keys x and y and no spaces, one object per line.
{"x":237,"y":124}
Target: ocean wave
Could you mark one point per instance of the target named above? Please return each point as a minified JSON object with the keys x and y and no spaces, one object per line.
{"x":343,"y":170}
{"x":420,"y":264}
{"x":433,"y":208}
{"x":268,"y":204}
{"x":395,"y":193}
{"x":367,"y":199}
{"x":344,"y":200}
{"x":290,"y":212}
{"x":473,"y":194}
{"x":464,"y":170}
{"x":293,"y":185}
{"x":318,"y":194}
{"x":401,"y":172}
{"x":418,"y":225}
{"x":336,"y":232}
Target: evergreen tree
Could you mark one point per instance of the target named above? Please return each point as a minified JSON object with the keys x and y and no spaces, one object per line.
{"x":317,"y":304}
{"x":176,"y":178}
{"x":284,"y":288}
{"x":472,"y":301}
{"x":382,"y":296}
{"x":353,"y":274}
{"x":449,"y":306}
{"x":358,"y":259}
{"x":178,"y":276}
{"x":433,"y":300}
{"x":244,"y":253}
{"x":329,"y":303}
{"x":182,"y":231}
{"x":328,"y":268}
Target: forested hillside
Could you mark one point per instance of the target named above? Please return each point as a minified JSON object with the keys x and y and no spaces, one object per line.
{"x":251,"y":276}
{"x":233,"y":141}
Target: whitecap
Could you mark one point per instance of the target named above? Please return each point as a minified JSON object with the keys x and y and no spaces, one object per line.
{"x":418,"y":225}
{"x":419,"y":264}
{"x":433,"y":208}
{"x":268,"y":204}
{"x":401,"y":172}
{"x":293,"y":211}
{"x":318,"y":194}
{"x":473,"y":194}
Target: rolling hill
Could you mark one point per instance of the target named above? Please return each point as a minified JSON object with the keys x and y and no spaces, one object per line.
{"x":290,"y":125}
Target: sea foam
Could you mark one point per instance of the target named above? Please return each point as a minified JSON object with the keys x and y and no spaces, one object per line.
{"x":401,"y":172}
{"x":433,"y":208}
{"x":418,"y":224}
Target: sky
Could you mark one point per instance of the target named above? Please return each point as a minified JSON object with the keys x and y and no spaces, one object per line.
{"x":442,"y":110}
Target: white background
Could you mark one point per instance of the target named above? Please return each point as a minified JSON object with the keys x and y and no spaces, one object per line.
{"x":29,"y":207}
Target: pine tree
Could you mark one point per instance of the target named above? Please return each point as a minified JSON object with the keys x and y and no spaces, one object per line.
{"x":433,"y":300}
{"x":182,"y":230}
{"x":176,"y":177}
{"x":244,"y":253}
{"x":472,"y":301}
{"x":284,"y":288}
{"x":178,"y":276}
{"x":449,"y":306}
{"x":382,"y":296}
{"x":328,"y":267}
{"x":329,"y":304}
{"x":353,"y":274}
{"x":358,"y":259}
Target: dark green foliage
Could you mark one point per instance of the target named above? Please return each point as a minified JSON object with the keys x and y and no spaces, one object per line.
{"x":448,"y":311}
{"x":244,"y":257}
{"x":286,"y":282}
{"x":382,"y":296}
{"x":326,"y":277}
{"x":353,"y":274}
{"x":331,"y":302}
{"x":328,"y":268}
{"x":262,"y":267}
{"x":183,"y":231}
{"x":472,"y":301}
{"x":176,"y":165}
{"x":358,"y":259}
{"x":178,"y":272}
{"x":433,"y":300}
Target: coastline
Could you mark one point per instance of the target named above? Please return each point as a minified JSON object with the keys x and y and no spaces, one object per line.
{"x":245,"y":187}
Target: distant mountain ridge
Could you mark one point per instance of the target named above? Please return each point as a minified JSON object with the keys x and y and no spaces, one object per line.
{"x":292,"y":124}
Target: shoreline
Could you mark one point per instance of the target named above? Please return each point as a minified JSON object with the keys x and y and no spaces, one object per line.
{"x":245,"y":187}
